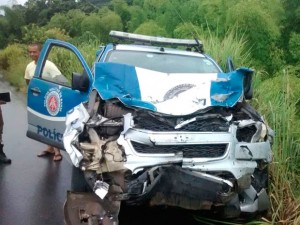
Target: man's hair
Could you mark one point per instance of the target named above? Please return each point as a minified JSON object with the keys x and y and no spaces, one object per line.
{"x":39,"y":45}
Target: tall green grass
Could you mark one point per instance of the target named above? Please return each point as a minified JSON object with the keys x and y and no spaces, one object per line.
{"x":278,"y":98}
{"x":13,"y":63}
{"x":231,"y":45}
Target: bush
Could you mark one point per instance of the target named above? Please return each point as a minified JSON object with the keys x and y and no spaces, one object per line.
{"x":13,"y":63}
{"x":12,"y":55}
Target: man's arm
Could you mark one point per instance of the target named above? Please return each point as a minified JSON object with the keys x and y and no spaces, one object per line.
{"x":27,"y":76}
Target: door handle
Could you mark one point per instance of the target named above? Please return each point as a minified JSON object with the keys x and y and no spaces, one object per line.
{"x":35,"y":90}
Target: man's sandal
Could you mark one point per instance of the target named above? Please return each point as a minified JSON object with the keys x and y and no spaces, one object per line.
{"x":57,"y":157}
{"x":45,"y":154}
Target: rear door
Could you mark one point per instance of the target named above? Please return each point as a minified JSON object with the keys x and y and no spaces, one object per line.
{"x":51,"y":92}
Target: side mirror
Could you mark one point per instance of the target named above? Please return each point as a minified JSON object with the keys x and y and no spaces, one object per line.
{"x":80,"y":82}
{"x":229,"y":65}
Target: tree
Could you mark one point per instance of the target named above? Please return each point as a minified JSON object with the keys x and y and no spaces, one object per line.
{"x":122,"y":9}
{"x":33,"y":9}
{"x":137,"y":17}
{"x":154,"y":8}
{"x":187,"y":30}
{"x":260,"y":29}
{"x":290,"y":25}
{"x":108,"y":22}
{"x":151,"y":28}
{"x":34,"y":33}
{"x":92,"y":23}
{"x":294,"y":48}
{"x":70,"y":21}
{"x":11,"y":24}
{"x":41,"y":11}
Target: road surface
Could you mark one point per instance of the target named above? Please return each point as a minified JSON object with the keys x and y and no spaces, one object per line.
{"x":32,"y":189}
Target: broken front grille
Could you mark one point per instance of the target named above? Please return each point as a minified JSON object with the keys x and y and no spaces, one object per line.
{"x":168,"y":124}
{"x":189,"y":151}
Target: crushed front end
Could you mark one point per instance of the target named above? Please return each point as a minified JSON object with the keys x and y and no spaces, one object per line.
{"x":214,"y":159}
{"x":191,"y":141}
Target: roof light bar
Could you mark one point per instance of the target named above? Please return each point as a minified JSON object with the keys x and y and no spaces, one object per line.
{"x":155,"y":40}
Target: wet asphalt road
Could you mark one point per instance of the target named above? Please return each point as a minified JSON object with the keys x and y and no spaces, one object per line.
{"x":32,"y":189}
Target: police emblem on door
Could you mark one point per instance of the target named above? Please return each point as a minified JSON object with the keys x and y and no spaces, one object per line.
{"x":53,"y":101}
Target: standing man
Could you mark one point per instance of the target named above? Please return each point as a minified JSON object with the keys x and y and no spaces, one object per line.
{"x":49,"y":69}
{"x":3,"y":158}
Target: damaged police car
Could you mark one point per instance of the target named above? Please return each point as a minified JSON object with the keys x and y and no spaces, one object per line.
{"x":154,"y":122}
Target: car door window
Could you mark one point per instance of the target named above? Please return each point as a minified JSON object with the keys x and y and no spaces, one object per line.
{"x":59,"y":65}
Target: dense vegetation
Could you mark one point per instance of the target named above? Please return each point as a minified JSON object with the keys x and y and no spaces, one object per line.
{"x":264,"y":35}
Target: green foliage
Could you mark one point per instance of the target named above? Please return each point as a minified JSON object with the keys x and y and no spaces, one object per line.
{"x":3,"y":32}
{"x":34,"y":33}
{"x":187,"y":30}
{"x":89,"y":50}
{"x":57,"y":33}
{"x":277,"y":99}
{"x":40,"y":11}
{"x":259,"y":22}
{"x":121,"y":8}
{"x":10,"y":25}
{"x":108,"y":22}
{"x":212,"y":12}
{"x":294,"y":47}
{"x":259,"y":27}
{"x":92,"y":23}
{"x":154,"y":8}
{"x":281,"y":92}
{"x":86,"y":38}
{"x":151,"y":28}
{"x":11,"y":55}
{"x":231,"y":45}
{"x":137,"y":16}
{"x":70,"y":22}
{"x":12,"y":64}
{"x":99,"y":24}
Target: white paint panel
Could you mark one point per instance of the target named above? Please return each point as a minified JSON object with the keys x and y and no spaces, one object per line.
{"x":50,"y":118}
{"x":175,"y":93}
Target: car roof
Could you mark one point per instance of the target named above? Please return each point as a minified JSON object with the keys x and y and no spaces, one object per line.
{"x":156,"y":49}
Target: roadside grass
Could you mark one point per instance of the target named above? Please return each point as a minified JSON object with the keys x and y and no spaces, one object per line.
{"x":280,"y":97}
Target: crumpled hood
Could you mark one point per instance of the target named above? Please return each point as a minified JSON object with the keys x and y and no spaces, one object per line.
{"x":168,"y":93}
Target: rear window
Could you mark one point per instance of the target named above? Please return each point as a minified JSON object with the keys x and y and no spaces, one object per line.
{"x":162,"y":62}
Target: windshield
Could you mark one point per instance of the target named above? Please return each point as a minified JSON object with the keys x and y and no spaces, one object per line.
{"x":162,"y":62}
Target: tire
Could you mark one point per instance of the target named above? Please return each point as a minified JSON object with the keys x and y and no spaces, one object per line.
{"x":78,"y":182}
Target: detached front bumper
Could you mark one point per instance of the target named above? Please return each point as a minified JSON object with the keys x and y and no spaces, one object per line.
{"x":174,"y":186}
